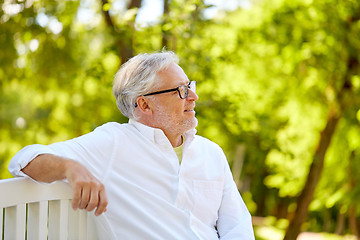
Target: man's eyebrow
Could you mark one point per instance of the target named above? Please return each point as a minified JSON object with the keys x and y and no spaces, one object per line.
{"x":187,"y":82}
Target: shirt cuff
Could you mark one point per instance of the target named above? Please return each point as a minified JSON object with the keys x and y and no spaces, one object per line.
{"x":25,"y":156}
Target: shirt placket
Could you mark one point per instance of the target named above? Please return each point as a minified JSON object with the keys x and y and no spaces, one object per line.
{"x":185,"y":194}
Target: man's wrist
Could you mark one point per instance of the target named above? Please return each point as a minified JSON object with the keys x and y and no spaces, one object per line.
{"x":68,"y":166}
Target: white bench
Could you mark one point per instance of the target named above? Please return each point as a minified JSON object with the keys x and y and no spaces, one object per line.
{"x":30,"y":210}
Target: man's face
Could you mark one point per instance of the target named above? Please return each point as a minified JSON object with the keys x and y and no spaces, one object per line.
{"x":171,"y":113}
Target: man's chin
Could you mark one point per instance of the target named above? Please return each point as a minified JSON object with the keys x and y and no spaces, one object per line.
{"x":192,"y":123}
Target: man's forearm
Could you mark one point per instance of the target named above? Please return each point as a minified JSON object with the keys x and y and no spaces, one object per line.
{"x":47,"y":168}
{"x":88,"y":192}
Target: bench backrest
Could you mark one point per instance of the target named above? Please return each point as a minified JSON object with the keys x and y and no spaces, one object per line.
{"x":31,"y":210}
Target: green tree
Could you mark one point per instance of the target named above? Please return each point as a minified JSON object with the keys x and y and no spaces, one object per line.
{"x":279,"y":89}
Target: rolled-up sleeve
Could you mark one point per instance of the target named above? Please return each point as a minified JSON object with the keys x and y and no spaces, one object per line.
{"x":92,"y":150}
{"x":25,"y":156}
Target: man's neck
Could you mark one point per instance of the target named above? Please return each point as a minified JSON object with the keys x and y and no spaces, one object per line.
{"x":174,"y":138}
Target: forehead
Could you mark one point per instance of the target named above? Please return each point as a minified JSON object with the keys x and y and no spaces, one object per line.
{"x":173,"y":75}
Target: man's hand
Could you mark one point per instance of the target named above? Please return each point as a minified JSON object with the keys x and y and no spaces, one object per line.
{"x":88,"y":192}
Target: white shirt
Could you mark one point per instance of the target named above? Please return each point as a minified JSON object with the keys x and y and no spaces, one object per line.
{"x":150,"y":195}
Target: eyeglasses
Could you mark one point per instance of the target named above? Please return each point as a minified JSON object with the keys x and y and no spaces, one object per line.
{"x":183,"y":90}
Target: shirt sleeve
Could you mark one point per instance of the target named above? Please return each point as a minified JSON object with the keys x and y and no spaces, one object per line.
{"x":234,"y":221}
{"x":93,"y":150}
{"x":25,"y":156}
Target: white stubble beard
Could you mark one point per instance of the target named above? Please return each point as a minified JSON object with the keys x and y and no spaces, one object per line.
{"x":177,"y":127}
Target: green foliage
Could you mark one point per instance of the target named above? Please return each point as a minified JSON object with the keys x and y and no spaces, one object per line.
{"x":267,"y":77}
{"x":55,"y":82}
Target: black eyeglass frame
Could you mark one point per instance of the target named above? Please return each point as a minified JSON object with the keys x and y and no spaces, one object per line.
{"x":174,"y":89}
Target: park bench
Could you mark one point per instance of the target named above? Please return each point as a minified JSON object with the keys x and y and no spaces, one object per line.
{"x":31,"y":210}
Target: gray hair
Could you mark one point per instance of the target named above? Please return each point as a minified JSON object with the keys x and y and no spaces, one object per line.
{"x":137,"y":77}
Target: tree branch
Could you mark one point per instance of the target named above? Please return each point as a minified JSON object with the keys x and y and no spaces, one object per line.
{"x":107,"y":16}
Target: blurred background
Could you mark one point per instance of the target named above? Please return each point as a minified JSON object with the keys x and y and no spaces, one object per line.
{"x":278,"y":84}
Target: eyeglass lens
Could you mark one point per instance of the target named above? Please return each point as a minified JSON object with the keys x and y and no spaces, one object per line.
{"x":184,"y":89}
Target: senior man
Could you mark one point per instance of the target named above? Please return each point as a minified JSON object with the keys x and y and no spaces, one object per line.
{"x":151,"y":178}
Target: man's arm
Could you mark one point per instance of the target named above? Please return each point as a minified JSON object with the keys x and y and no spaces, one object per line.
{"x":88,"y":192}
{"x":82,"y":161}
{"x":234,"y":221}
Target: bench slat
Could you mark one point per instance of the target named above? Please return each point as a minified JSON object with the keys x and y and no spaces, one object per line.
{"x":15,"y":222}
{"x":37,"y":220}
{"x":1,"y":221}
{"x":73,"y":223}
{"x":58,"y":219}
{"x":82,"y":225}
{"x":91,"y":227}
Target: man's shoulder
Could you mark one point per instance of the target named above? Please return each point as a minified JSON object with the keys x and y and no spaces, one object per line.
{"x":210,"y":150}
{"x":207,"y":142}
{"x":113,"y":128}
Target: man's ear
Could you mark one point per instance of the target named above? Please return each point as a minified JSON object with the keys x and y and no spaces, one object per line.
{"x":144,"y":105}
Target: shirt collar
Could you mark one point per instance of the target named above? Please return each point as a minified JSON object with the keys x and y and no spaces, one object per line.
{"x":157,"y":135}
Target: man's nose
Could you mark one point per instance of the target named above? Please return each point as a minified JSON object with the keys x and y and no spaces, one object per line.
{"x":192,"y":96}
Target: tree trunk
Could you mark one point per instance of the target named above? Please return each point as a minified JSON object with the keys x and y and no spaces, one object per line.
{"x":165,"y":31}
{"x":313,"y":178}
{"x":126,"y":42}
{"x":352,"y":220}
{"x":340,"y":223}
{"x":124,"y":33}
{"x":316,"y":167}
{"x":261,"y":197}
{"x":327,"y":221}
{"x":281,"y":209}
{"x":134,"y":4}
{"x":353,"y":224}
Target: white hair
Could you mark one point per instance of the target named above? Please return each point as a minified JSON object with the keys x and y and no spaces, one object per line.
{"x":137,"y":77}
